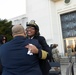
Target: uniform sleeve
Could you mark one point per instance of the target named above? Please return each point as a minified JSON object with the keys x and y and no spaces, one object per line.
{"x":43,"y":43}
{"x":41,"y":53}
{"x":45,"y":47}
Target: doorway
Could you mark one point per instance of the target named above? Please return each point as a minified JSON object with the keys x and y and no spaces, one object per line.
{"x":68,"y":24}
{"x":70,"y":42}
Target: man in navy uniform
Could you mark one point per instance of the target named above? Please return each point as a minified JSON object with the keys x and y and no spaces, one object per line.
{"x":14,"y":56}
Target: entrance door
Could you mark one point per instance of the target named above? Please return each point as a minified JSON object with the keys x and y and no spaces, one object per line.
{"x":70,"y":42}
{"x":68,"y":24}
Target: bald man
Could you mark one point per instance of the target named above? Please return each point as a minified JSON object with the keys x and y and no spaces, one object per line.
{"x":14,"y":56}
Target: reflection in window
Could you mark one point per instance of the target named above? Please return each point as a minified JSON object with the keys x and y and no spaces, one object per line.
{"x":68,"y":23}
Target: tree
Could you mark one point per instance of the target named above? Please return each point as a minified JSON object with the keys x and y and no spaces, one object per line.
{"x":5,"y":28}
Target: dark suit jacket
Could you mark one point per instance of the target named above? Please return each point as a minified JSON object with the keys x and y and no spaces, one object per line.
{"x":44,"y":64}
{"x":16,"y":61}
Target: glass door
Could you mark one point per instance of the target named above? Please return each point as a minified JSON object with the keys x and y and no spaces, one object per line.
{"x":70,"y":42}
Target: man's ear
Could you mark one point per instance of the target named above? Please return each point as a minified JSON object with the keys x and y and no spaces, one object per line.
{"x":25,"y":34}
{"x":13,"y":35}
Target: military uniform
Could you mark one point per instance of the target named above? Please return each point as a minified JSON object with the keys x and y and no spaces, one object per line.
{"x":46,"y":53}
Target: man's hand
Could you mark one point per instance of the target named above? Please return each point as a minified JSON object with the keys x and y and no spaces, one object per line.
{"x":32,"y":48}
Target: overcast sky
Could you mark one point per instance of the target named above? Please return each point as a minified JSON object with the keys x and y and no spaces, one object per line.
{"x":12,"y":8}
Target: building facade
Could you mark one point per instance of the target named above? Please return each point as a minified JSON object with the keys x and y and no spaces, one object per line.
{"x":22,"y":19}
{"x":56,"y":20}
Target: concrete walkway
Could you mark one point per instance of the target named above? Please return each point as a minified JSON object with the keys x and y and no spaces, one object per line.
{"x":64,"y":67}
{"x":65,"y":63}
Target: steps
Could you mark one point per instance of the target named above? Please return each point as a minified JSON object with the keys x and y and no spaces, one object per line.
{"x":65,"y":60}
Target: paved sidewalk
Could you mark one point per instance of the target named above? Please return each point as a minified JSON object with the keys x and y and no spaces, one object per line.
{"x":64,"y":67}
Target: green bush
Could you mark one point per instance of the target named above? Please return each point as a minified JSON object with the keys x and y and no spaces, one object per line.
{"x":5,"y":28}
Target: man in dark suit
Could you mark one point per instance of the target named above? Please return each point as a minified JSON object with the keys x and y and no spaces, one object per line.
{"x":14,"y":56}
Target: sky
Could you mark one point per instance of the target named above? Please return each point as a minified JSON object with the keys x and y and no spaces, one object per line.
{"x":12,"y":8}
